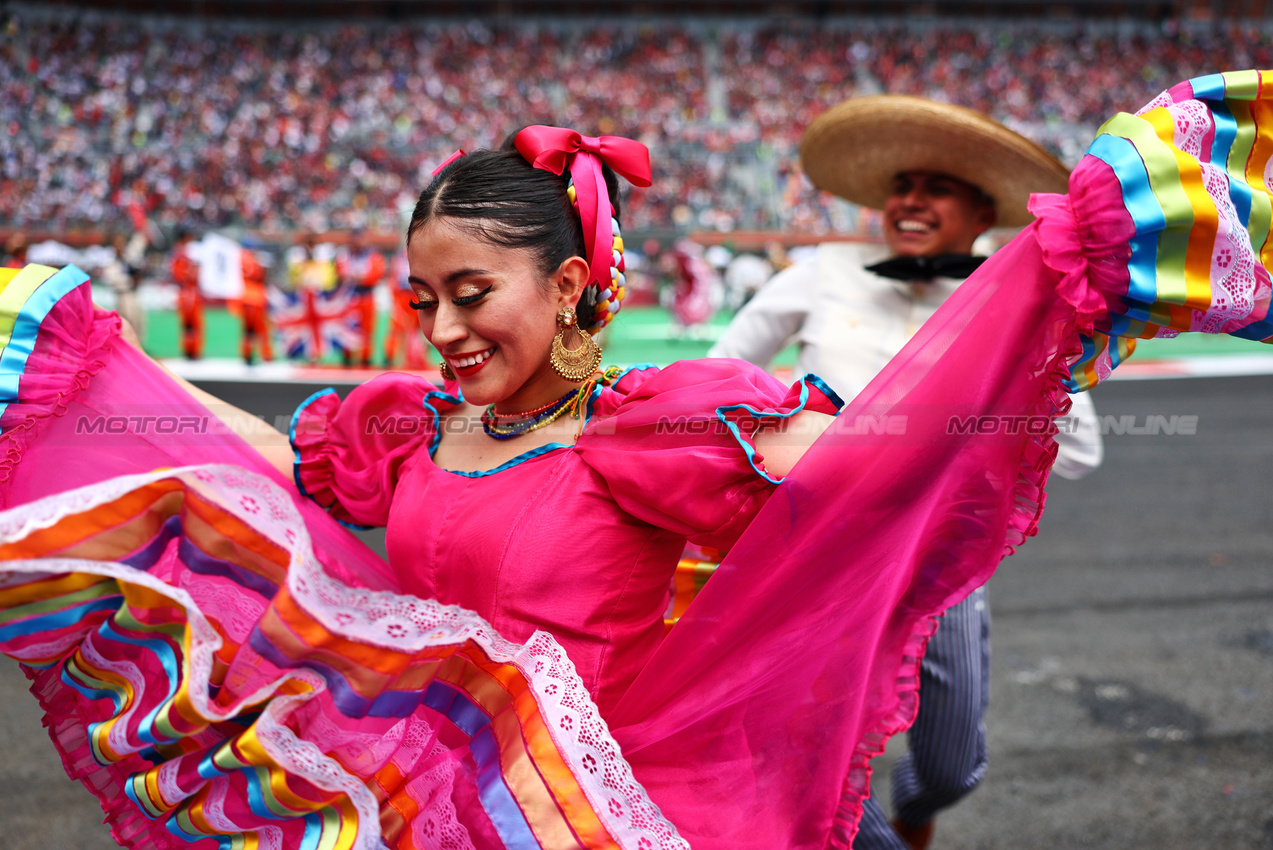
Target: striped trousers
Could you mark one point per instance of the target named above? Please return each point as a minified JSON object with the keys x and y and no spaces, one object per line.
{"x":946,"y":755}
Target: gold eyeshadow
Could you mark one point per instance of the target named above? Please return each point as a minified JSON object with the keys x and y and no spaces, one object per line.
{"x":468,"y":290}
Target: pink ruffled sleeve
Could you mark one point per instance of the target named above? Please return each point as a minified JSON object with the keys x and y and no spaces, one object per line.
{"x":349,"y":453}
{"x":48,"y":355}
{"x":676,"y":445}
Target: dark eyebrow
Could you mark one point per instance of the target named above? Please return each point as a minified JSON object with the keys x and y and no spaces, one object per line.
{"x":453,"y":276}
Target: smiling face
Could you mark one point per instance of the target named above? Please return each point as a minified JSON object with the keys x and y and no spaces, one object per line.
{"x":929,"y":214}
{"x":491,"y":313}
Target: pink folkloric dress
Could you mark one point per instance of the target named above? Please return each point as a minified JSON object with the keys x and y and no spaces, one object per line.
{"x":221,"y":663}
{"x":574,"y":540}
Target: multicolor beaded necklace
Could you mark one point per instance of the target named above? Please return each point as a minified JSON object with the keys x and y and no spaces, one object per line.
{"x":506,"y":426}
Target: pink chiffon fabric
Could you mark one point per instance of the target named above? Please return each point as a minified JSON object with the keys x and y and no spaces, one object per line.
{"x":813,"y":626}
{"x":799,"y":658}
{"x":93,"y":407}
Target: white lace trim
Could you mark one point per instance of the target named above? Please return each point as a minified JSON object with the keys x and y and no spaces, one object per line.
{"x":584,"y":739}
{"x":437,"y":827}
{"x":1163,"y":99}
{"x":305,"y":759}
{"x":403,"y":623}
{"x":1233,"y":260}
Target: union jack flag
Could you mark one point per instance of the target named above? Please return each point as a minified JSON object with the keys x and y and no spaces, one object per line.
{"x":311,"y":324}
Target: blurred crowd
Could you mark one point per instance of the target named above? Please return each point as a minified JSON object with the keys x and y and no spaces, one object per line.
{"x":207,"y":123}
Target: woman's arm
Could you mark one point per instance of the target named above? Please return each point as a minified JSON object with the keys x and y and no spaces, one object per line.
{"x":272,"y":444}
{"x":782,"y":445}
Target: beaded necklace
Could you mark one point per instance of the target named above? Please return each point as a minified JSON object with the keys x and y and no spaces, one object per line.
{"x":506,"y":426}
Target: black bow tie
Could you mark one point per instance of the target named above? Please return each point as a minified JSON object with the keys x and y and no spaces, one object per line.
{"x":927,"y":268}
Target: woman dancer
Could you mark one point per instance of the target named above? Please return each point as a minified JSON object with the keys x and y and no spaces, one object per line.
{"x":213,"y":673}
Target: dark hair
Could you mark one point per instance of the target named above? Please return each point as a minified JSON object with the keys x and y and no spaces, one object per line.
{"x":499,"y":196}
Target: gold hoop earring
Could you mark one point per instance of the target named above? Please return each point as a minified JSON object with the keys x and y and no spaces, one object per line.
{"x":577,"y":364}
{"x":445,"y":369}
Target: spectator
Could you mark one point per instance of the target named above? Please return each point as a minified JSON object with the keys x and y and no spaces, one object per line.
{"x":15,"y":251}
{"x":184,"y":269}
{"x":320,"y":128}
{"x":121,"y":275}
{"x":696,"y":291}
{"x":253,"y":310}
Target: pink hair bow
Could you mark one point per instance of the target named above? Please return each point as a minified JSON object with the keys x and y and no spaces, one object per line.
{"x":556,"y":148}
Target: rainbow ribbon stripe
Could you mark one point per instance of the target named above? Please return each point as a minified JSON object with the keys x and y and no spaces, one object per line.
{"x":1187,"y":239}
{"x":111,"y":661}
{"x":692,"y":572}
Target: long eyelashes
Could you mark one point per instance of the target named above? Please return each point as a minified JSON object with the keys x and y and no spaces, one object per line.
{"x":459,"y":302}
{"x":471,"y":299}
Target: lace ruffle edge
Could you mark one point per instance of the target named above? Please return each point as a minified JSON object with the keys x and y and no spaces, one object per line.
{"x":66,"y":727}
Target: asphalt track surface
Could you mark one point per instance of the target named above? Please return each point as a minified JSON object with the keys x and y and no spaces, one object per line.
{"x":1132,"y":693}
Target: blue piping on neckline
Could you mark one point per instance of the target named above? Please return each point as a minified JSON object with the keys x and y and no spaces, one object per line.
{"x":636,"y":367}
{"x":448,"y":398}
{"x":437,"y":415}
{"x":748,"y":449}
{"x":508,"y":464}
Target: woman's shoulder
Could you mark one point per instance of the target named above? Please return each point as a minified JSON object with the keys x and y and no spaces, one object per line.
{"x":401,"y":393}
{"x":683,"y":390}
{"x":350,"y":452}
{"x":701,"y":379}
{"x":390,"y":409}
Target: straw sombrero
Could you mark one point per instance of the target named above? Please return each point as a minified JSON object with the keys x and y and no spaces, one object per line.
{"x":855,"y":149}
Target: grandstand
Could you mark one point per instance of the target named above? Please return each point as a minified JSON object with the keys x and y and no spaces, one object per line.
{"x":280,"y":117}
{"x":400,"y":9}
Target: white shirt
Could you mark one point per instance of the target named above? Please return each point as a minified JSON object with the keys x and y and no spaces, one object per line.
{"x":849,"y":322}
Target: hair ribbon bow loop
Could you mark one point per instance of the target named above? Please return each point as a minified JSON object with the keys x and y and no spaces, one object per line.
{"x":555,"y":149}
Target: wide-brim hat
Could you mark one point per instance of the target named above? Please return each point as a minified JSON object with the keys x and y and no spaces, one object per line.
{"x":855,"y":149}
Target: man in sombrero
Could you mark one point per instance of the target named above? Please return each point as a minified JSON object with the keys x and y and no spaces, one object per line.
{"x":942,"y":176}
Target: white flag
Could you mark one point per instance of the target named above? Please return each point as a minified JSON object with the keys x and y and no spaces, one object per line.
{"x":220,"y":267}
